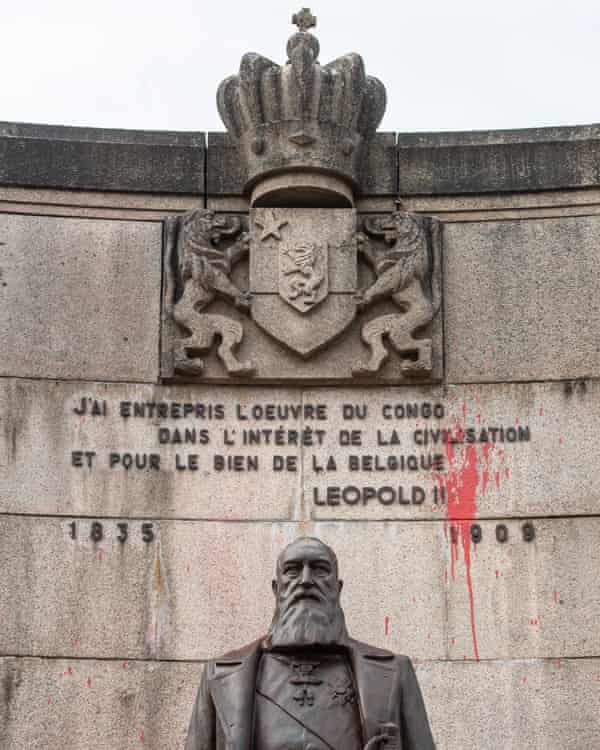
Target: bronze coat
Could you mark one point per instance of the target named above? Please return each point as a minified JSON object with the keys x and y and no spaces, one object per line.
{"x":388,"y":691}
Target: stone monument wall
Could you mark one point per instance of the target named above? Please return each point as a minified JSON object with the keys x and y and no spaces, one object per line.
{"x":141,"y":513}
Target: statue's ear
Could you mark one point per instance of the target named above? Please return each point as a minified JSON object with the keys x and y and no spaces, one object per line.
{"x":274,"y":586}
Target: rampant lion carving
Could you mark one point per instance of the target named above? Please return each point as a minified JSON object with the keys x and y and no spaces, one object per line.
{"x":404,"y":274}
{"x":306,"y":270}
{"x":202,"y":273}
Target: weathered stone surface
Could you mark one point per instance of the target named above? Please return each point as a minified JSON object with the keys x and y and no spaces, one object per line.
{"x":520,"y":300}
{"x":307,"y":334}
{"x":226,"y":174}
{"x":41,"y":431}
{"x":498,"y":160}
{"x":80,"y":298}
{"x":545,"y":472}
{"x":542,"y":439}
{"x":274,"y":363}
{"x":327,"y":302}
{"x":526,"y":599}
{"x":199,"y":589}
{"x":303,"y":275}
{"x":513,"y":704}
{"x":331,"y":228}
{"x":77,"y":705}
{"x":283,"y":125}
{"x":101,"y":159}
{"x":429,"y":163}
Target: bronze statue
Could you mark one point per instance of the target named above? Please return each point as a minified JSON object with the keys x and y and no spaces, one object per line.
{"x":307,"y":685}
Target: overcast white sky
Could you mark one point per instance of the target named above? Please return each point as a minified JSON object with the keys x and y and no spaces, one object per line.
{"x":156,"y":64}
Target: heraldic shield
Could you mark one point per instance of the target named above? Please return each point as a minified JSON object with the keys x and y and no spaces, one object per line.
{"x":303,"y":274}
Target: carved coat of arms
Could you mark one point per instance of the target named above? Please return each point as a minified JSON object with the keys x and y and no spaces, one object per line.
{"x":303,"y":274}
{"x":301,"y":285}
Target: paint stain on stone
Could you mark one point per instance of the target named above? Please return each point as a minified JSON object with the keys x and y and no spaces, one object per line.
{"x":466,"y":479}
{"x":157,"y":580}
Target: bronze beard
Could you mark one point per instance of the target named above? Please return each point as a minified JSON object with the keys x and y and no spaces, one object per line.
{"x":307,"y":619}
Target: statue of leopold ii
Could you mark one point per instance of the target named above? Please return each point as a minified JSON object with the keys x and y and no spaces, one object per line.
{"x":307,"y":685}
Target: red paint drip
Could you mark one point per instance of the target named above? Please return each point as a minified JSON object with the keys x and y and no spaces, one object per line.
{"x":466,"y":476}
{"x":141,"y":735}
{"x":386,"y":623}
{"x":461,"y":483}
{"x":89,"y":682}
{"x":555,"y":596}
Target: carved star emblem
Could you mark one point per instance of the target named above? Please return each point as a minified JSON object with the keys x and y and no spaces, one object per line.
{"x":270,"y":226}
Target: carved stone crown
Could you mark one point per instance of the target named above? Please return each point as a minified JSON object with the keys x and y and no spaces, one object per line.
{"x":302,"y":115}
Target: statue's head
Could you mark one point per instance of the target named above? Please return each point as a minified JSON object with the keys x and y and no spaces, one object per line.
{"x":307,"y":597}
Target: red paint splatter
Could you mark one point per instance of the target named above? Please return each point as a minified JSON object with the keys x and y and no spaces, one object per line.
{"x":555,"y":596}
{"x":100,"y":555}
{"x":541,"y":412}
{"x":498,"y":574}
{"x":558,"y":663}
{"x":466,"y":479}
{"x":534,"y":621}
{"x":89,"y":682}
{"x":124,"y":665}
{"x":560,"y":441}
{"x":386,"y":624}
{"x":141,"y":735}
{"x":49,"y":701}
{"x":524,"y":680}
{"x":460,"y":484}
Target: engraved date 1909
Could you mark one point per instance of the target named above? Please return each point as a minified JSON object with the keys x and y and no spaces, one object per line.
{"x":97,"y":531}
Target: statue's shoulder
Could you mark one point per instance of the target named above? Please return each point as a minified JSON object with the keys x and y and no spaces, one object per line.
{"x":239,"y":654}
{"x":374,"y":653}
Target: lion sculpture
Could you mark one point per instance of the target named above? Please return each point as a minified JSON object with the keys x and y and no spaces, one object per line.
{"x":202,"y":274}
{"x":408,"y":274}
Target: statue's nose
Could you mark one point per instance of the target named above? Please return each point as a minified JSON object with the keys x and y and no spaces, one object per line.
{"x":307,"y":578}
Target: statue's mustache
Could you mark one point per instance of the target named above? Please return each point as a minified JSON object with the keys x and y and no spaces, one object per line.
{"x":299,"y":596}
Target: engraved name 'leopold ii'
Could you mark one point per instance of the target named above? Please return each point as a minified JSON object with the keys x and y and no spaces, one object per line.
{"x":307,"y":685}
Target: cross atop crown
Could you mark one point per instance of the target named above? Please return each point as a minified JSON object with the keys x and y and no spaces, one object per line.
{"x":304,"y":20}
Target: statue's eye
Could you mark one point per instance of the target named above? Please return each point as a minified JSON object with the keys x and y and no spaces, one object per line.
{"x":292,"y":571}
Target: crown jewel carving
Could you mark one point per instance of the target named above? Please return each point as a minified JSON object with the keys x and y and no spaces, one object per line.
{"x":301,"y":115}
